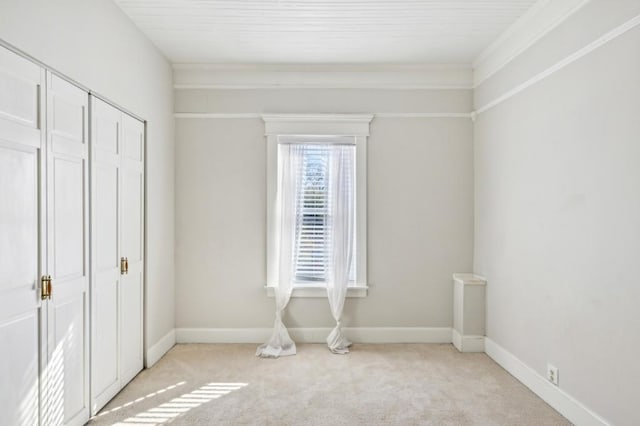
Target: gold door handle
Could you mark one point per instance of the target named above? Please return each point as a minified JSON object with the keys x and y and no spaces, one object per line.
{"x":124,"y":265}
{"x":45,"y":287}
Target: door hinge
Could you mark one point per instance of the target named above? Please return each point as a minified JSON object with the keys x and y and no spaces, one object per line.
{"x":45,"y":287}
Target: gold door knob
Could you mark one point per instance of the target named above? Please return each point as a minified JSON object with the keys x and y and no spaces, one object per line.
{"x":45,"y":287}
{"x":124,"y":265}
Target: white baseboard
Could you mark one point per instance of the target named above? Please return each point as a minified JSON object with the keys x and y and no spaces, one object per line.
{"x":564,"y":403}
{"x":317,"y":335}
{"x":467,"y":343}
{"x":161,"y":347}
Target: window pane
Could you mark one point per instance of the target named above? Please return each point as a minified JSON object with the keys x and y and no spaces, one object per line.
{"x":312,"y":245}
{"x":312,"y":234}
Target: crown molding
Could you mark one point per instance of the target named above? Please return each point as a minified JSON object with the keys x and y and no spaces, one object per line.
{"x":541,"y":19}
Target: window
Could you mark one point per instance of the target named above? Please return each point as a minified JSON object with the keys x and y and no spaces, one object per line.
{"x":315,"y":143}
{"x":312,"y":236}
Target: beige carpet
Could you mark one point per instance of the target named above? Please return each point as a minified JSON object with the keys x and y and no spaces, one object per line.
{"x":391,"y":384}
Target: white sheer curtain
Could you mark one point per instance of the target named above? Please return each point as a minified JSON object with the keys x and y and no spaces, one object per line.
{"x":342,"y":208}
{"x":290,"y":161}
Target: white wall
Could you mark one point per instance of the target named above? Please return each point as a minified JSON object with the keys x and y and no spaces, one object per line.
{"x":420,"y":207}
{"x":557,"y":189}
{"x":556,"y":186}
{"x":94,"y":43}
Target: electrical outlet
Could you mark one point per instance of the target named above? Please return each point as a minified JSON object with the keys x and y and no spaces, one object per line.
{"x":552,"y":374}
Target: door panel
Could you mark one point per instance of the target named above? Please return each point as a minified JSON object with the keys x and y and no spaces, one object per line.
{"x":69,"y":324}
{"x":19,"y":369}
{"x":104,"y":372}
{"x":21,"y":83}
{"x":131,"y":300}
{"x":19,"y":217}
{"x":132,"y":220}
{"x":21,"y":249}
{"x":133,"y":139}
{"x":20,"y":100}
{"x":105,"y":129}
{"x":105,"y":378}
{"x":106,"y":184}
{"x":68,"y":217}
{"x":131,"y":283}
{"x":131,"y":318}
{"x":67,"y":397}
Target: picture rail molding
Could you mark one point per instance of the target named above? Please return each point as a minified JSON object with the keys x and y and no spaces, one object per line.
{"x":256,"y":115}
{"x":585,"y":50}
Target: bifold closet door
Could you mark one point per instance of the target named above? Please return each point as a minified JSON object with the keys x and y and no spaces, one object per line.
{"x":105,"y":226}
{"x":117,"y":148}
{"x":21,"y":237}
{"x":132,"y":247}
{"x":66,"y":390}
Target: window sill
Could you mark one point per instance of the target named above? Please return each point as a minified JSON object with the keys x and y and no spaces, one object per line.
{"x":319,"y":291}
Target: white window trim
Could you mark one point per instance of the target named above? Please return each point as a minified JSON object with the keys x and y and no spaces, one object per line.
{"x":353,"y":125}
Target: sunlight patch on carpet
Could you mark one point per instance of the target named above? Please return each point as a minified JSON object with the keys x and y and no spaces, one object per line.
{"x":142,"y":398}
{"x":178,"y":406}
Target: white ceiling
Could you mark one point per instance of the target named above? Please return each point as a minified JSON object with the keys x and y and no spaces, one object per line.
{"x":323,"y":31}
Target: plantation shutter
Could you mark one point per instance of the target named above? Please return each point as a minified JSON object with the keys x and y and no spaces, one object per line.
{"x":313,"y":247}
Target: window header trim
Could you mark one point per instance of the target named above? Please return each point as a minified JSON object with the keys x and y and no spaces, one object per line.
{"x":316,"y":139}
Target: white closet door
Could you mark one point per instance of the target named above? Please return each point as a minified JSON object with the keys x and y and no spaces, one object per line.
{"x":67,"y":380}
{"x":117,"y":182}
{"x":105,"y":228}
{"x":21,"y":243}
{"x":131,"y":247}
